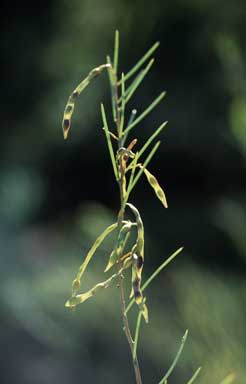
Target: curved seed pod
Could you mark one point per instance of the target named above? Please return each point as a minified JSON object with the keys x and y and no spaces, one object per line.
{"x":99,"y":240}
{"x":118,"y":249}
{"x":137,"y":264}
{"x":136,"y":288}
{"x":78,"y":299}
{"x":156,"y":186}
{"x":69,"y":108}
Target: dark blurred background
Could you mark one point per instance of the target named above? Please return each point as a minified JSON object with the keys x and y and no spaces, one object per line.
{"x":57,"y":196}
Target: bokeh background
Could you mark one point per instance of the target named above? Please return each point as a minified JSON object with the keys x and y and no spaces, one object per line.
{"x":57,"y":196}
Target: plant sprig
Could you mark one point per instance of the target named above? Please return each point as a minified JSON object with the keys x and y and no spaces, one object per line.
{"x":124,"y":159}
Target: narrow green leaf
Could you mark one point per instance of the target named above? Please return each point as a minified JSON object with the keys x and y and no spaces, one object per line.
{"x":142,"y":61}
{"x":122,"y":111}
{"x":145,"y":113}
{"x":155,"y":273}
{"x":130,"y":121}
{"x":136,"y":338}
{"x":69,"y":108}
{"x":229,"y":378}
{"x":172,"y":366}
{"x":151,"y":138}
{"x":156,"y":186}
{"x":194,"y":376}
{"x":148,"y":142}
{"x":110,"y":147}
{"x":135,"y":84}
{"x":112,"y":87}
{"x":132,"y":117}
{"x":116,"y":51}
{"x":140,"y":172}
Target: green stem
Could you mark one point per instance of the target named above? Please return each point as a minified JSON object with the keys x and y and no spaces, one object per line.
{"x":110,"y":147}
{"x":126,"y":326}
{"x":137,"y":335}
{"x":194,"y":376}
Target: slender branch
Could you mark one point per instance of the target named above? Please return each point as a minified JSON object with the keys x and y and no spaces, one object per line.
{"x":137,"y":334}
{"x":145,"y":113}
{"x":194,"y":376}
{"x":142,"y":61}
{"x":119,"y":121}
{"x":168,"y":373}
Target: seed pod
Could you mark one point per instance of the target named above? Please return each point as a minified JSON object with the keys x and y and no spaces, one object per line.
{"x":78,"y":299}
{"x":66,"y":122}
{"x":156,"y":186}
{"x":82,"y":268}
{"x":137,"y":264}
{"x":118,"y":249}
{"x":136,"y":288}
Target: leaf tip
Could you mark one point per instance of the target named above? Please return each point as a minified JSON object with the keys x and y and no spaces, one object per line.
{"x":186,"y":334}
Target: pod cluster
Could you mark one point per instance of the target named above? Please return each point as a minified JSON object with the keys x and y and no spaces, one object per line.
{"x":137,"y":264}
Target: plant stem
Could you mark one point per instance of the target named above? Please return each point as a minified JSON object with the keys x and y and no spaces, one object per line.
{"x":128,"y":333}
{"x":121,"y":214}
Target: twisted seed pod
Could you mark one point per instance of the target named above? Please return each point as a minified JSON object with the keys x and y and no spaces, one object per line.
{"x":137,"y":264}
{"x":140,"y":239}
{"x":69,"y":108}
